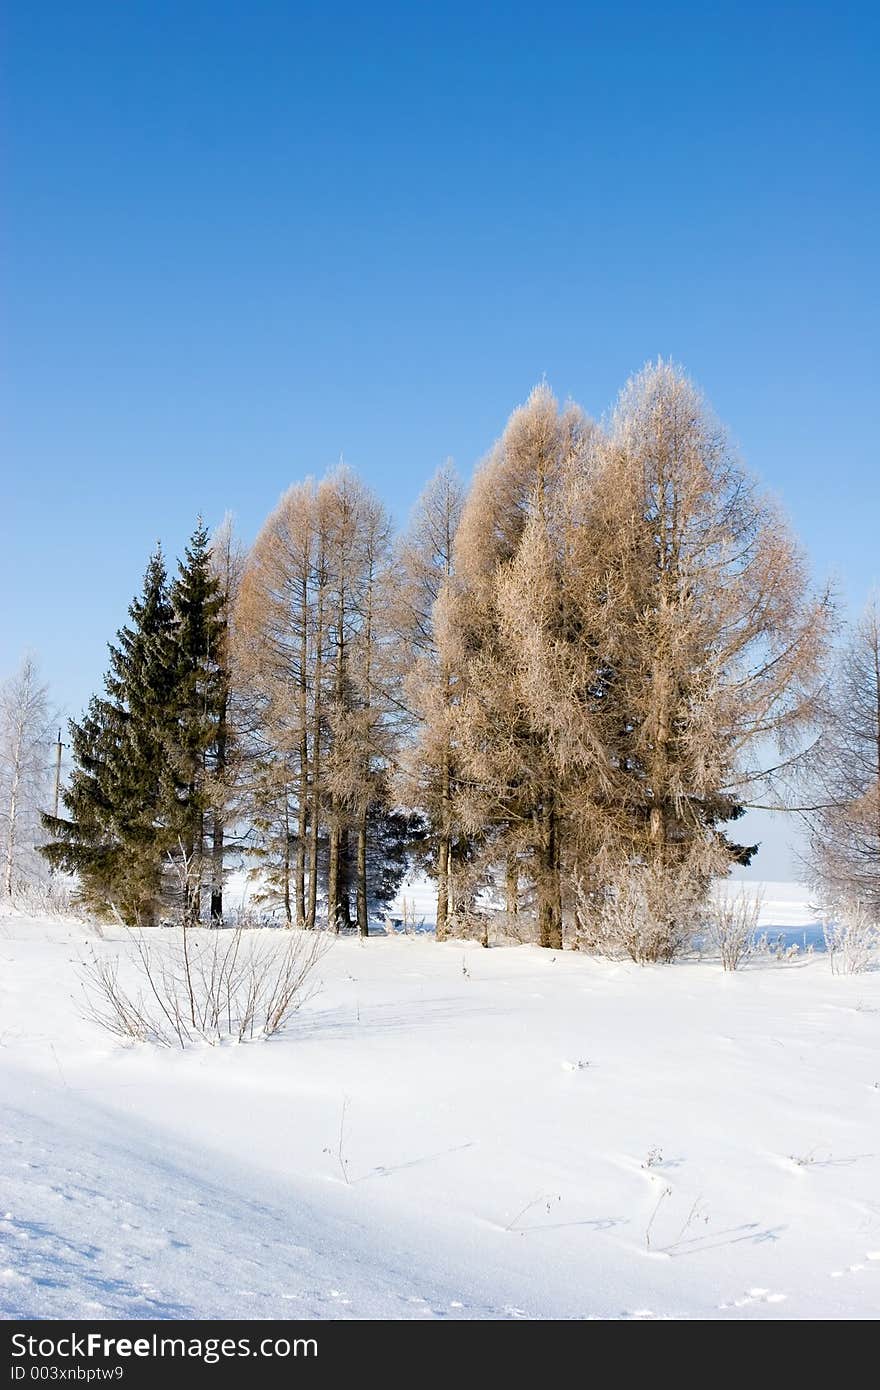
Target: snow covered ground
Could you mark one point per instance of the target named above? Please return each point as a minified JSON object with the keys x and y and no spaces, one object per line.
{"x":525,"y":1134}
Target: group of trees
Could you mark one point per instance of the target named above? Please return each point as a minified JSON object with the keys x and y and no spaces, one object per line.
{"x":627,"y":632}
{"x":554,"y":693}
{"x":147,"y":797}
{"x":318,"y":698}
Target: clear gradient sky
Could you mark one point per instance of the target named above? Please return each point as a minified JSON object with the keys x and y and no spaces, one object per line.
{"x":245,"y":238}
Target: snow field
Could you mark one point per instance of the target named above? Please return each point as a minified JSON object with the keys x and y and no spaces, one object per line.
{"x":447,"y":1132}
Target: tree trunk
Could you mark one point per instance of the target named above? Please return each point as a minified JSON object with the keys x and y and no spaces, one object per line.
{"x":876,"y":655}
{"x":301,"y":832}
{"x":218,"y":830}
{"x":455,"y":902}
{"x":548,"y":887}
{"x":363,"y":922}
{"x":300,"y":868}
{"x":442,"y":887}
{"x":444,"y":855}
{"x":333,"y":878}
{"x":10,"y":835}
{"x":363,"y":919}
{"x":315,"y":816}
{"x":288,"y":916}
{"x":303,"y":712}
{"x":343,"y":904}
{"x":337,"y":884}
{"x":312,"y":895}
{"x":191,"y":886}
{"x":512,"y":886}
{"x":338,"y":907}
{"x":217,"y":854}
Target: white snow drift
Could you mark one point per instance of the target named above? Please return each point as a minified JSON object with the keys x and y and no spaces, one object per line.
{"x":448,"y":1132}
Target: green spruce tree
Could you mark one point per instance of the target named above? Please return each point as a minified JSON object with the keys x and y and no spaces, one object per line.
{"x":115,"y":837}
{"x":198,"y":707}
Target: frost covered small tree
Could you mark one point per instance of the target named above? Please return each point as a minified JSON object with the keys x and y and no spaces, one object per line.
{"x":852,"y":936}
{"x":733,"y":925}
{"x":24,"y":779}
{"x":425,"y":568}
{"x":844,"y":776}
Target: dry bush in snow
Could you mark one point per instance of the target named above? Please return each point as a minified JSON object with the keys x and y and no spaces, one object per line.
{"x":646,"y":915}
{"x":204,"y":986}
{"x":851,"y":938}
{"x":410,"y":923}
{"x":732,"y":927}
{"x":54,"y":897}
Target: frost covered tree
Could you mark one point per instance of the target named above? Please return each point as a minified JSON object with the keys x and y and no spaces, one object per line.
{"x":425,"y":567}
{"x":712,"y":643}
{"x":24,"y":781}
{"x":634,"y":636}
{"x":508,"y":792}
{"x":279,"y":641}
{"x":360,"y":731}
{"x":312,"y":644}
{"x":844,"y":774}
{"x":721,"y":638}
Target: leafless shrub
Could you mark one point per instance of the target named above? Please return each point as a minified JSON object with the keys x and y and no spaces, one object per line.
{"x":516,"y":928}
{"x":53,"y":897}
{"x":732,"y":927}
{"x":776,"y":947}
{"x":410,"y":923}
{"x":851,"y":937}
{"x":646,"y":915}
{"x":251,"y":917}
{"x":204,"y":986}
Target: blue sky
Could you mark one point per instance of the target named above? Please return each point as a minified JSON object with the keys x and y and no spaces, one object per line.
{"x":243,"y":239}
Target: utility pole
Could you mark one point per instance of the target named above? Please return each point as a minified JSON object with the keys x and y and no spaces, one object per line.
{"x":58,"y":747}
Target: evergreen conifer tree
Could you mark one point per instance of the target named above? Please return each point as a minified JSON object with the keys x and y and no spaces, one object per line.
{"x":198,"y":702}
{"x":115,"y":837}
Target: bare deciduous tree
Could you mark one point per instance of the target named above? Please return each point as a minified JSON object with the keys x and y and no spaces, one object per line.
{"x":844,"y":776}
{"x":311,"y":641}
{"x":508,"y":790}
{"x":635,"y":641}
{"x":279,"y":639}
{"x":24,"y":777}
{"x":733,"y":926}
{"x":425,"y":562}
{"x":852,"y":936}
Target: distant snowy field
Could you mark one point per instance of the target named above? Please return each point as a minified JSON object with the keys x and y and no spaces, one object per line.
{"x":526,"y":1134}
{"x":785,"y":907}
